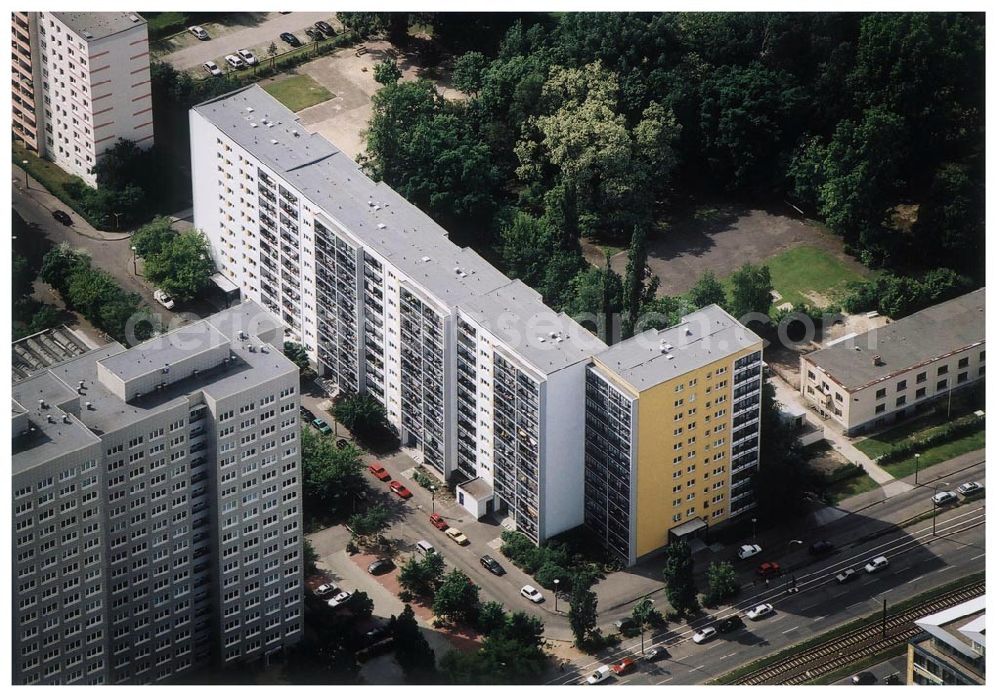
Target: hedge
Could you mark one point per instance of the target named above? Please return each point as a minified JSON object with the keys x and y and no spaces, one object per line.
{"x":960,"y":427}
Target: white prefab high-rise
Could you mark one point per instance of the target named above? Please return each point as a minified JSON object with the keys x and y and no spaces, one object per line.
{"x":82,"y":83}
{"x":382,"y":301}
{"x":157,"y":506}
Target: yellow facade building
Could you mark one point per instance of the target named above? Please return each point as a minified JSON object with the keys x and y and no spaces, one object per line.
{"x":672,"y":432}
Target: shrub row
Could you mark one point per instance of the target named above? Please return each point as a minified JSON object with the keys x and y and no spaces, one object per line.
{"x":545,"y":563}
{"x":957,"y":429}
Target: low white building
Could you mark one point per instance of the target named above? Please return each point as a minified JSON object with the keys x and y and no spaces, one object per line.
{"x":869,"y":380}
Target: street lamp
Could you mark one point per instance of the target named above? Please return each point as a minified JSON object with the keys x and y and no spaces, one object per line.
{"x":117,"y":216}
{"x":916,"y":467}
{"x":754,"y":522}
{"x":556,"y":582}
{"x":24,"y":167}
{"x":135,"y":269}
{"x":433,"y":490}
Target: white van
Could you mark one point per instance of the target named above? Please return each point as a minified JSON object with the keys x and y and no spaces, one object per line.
{"x":425,"y":548}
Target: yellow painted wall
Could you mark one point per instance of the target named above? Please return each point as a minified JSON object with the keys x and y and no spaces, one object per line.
{"x":654,"y":463}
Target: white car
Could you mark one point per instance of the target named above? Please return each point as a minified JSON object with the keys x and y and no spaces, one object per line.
{"x":877,"y":564}
{"x":942,"y":498}
{"x":163,"y":298}
{"x":325,"y":590}
{"x":457,"y":536}
{"x":603,"y":673}
{"x":970,"y":488}
{"x":748,"y":551}
{"x":761,"y":611}
{"x":247,"y":56}
{"x":339,"y":599}
{"x":235,"y":62}
{"x":199,"y":33}
{"x":704,"y":635}
{"x":532,"y":594}
{"x":212,"y":68}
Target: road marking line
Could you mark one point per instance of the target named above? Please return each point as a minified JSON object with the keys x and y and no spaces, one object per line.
{"x":697,"y":668}
{"x":819,"y":618}
{"x":977,"y":557}
{"x":669,"y":678}
{"x":785,"y":632}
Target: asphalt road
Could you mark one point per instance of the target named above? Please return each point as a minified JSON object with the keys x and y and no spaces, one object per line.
{"x":919,"y":560}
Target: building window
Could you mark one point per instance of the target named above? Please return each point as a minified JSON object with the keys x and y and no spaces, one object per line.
{"x":963,"y":363}
{"x":963,"y":376}
{"x":942,"y":370}
{"x":901,"y":385}
{"x":922,"y":377}
{"x":880,"y":408}
{"x":921,"y":392}
{"x":812,"y":376}
{"x":941,"y":385}
{"x":982,"y":355}
{"x":839,"y":397}
{"x":900,"y":401}
{"x":880,"y":393}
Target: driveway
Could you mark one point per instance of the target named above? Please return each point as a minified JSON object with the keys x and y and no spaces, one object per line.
{"x":255,"y":36}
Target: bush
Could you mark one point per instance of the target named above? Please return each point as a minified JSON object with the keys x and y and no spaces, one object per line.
{"x":956,"y":430}
{"x":549,"y":572}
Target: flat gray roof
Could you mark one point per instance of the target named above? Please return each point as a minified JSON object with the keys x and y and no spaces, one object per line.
{"x":99,"y":24}
{"x":516,"y":315}
{"x":701,"y":337}
{"x":108,"y":413}
{"x":167,"y":349}
{"x":906,"y":343}
{"x":371,"y":211}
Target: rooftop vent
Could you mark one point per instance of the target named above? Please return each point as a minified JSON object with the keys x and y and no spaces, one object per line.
{"x":166,"y":368}
{"x":274,"y":142}
{"x":135,"y":18}
{"x":425,"y":258}
{"x":88,"y":35}
{"x":83,"y":384}
{"x":241,"y":334}
{"x":253,"y":124}
{"x":90,"y":405}
{"x":263,"y":348}
{"x":252,"y":349}
{"x":381,"y":226}
{"x":250,"y":110}
{"x":41,"y":404}
{"x":49,"y":419}
{"x":66,"y":419}
{"x":295,"y":133}
{"x":877,"y":360}
{"x":541,"y":338}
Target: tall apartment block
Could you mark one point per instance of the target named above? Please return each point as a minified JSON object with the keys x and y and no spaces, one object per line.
{"x":157,"y":521}
{"x":672,"y":433}
{"x":483,"y":381}
{"x":80,"y":82}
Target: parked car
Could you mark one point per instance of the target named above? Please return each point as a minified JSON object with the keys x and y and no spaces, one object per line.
{"x":492,"y":565}
{"x":941,"y":499}
{"x":212,"y":68}
{"x":846,"y":576}
{"x":247,"y":56}
{"x":62,"y":217}
{"x":761,"y":611}
{"x":199,"y":33}
{"x":877,"y":564}
{"x":307,"y":414}
{"x":377,"y":633}
{"x":399,"y":489}
{"x":456,"y":536}
{"x":379,"y":472}
{"x":425,"y":547}
{"x":437,"y":521}
{"x":748,"y":551}
{"x":624,"y":666}
{"x":865,"y":678}
{"x":163,"y":298}
{"x":322,"y":426}
{"x":769,"y":569}
{"x":339,"y":599}
{"x":970,"y":489}
{"x":822,"y":547}
{"x":704,"y":635}
{"x":235,"y":62}
{"x":731,"y":624}
{"x":381,"y":566}
{"x":532,"y":594}
{"x":315,"y":34}
{"x":655,"y":653}
{"x":325,"y":28}
{"x":325,"y":590}
{"x":601,"y":674}
{"x":290,"y":39}
{"x":624,"y":624}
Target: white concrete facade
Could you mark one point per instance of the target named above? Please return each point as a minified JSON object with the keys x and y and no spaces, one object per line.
{"x":92,"y":85}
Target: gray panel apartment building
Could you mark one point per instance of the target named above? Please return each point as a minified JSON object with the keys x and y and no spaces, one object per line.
{"x":157,"y":506}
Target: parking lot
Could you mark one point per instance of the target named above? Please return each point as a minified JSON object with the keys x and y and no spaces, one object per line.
{"x":256,"y":31}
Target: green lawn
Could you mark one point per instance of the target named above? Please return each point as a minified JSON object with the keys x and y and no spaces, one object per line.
{"x":937,"y":454}
{"x":298,"y":92}
{"x":803,"y":269}
{"x":850,"y":487}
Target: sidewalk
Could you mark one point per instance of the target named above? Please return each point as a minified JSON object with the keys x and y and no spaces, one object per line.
{"x":38,"y":193}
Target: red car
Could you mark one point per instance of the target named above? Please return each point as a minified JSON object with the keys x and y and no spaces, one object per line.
{"x":379,"y":472}
{"x":624,"y":666}
{"x":769,"y":569}
{"x":438,"y":522}
{"x":400,"y":489}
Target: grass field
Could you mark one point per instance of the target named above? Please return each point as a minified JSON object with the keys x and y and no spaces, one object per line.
{"x":850,"y":487}
{"x":804,"y":269}
{"x":298,"y":92}
{"x":937,"y":454}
